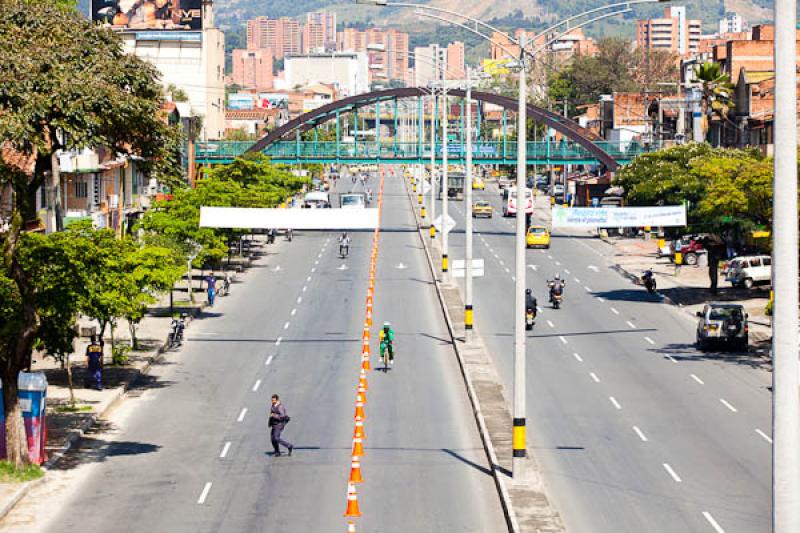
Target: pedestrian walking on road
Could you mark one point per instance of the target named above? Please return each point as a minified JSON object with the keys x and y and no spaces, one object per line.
{"x":277,"y":422}
{"x":211,"y":288}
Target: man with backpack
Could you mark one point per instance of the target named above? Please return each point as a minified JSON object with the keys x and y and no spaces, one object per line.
{"x":277,"y":422}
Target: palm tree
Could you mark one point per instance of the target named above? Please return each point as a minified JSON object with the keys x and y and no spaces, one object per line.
{"x":717,"y":92}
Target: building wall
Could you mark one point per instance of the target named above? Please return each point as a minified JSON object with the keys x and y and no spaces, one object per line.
{"x":327,"y":20}
{"x":455,"y":60}
{"x":672,"y":33}
{"x":424,"y":59}
{"x":347,"y":70}
{"x":252,"y":69}
{"x":283,"y":36}
{"x":313,"y":37}
{"x":194,"y":65}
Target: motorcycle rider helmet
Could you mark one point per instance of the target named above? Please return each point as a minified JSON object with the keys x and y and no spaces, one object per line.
{"x":527,"y":291}
{"x":557,"y":277}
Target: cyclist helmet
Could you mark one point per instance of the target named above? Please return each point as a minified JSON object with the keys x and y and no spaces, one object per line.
{"x":386,"y":324}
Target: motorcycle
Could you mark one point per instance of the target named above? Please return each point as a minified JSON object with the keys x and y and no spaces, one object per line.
{"x":175,"y":335}
{"x":649,"y":282}
{"x":344,"y":250}
{"x":271,"y":236}
{"x":556,"y":299}
{"x":226,"y":287}
{"x":289,"y":235}
{"x":530,"y":317}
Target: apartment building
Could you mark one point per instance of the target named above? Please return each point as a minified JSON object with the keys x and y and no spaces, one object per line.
{"x":672,"y":33}
{"x":252,"y":69}
{"x":325,"y":23}
{"x":282,"y":36}
{"x":389,"y":61}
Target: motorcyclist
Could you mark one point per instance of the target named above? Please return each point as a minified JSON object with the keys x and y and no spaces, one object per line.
{"x":556,"y":286}
{"x":344,"y":243}
{"x":530,"y":302}
{"x":386,"y":337}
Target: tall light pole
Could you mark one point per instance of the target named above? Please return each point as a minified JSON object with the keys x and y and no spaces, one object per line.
{"x":445,"y":184}
{"x":785,"y":392}
{"x":468,"y":318}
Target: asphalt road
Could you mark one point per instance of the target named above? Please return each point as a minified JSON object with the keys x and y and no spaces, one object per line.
{"x":635,"y":430}
{"x":192,"y":453}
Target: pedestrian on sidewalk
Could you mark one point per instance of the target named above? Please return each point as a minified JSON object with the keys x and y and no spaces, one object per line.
{"x":211,"y":288}
{"x":277,"y":422}
{"x":94,"y":363}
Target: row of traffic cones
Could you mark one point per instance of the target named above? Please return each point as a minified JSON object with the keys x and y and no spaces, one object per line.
{"x":360,"y":415}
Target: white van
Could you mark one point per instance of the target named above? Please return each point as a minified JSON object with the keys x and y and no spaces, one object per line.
{"x":356,"y":200}
{"x":745,"y":271}
{"x":316,"y":199}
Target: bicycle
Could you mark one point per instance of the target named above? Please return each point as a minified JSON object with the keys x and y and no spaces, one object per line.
{"x":387,"y":355}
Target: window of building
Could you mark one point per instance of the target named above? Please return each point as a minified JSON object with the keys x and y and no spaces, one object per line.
{"x":81,"y":189}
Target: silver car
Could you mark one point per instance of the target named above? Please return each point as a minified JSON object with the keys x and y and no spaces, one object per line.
{"x":722,"y":324}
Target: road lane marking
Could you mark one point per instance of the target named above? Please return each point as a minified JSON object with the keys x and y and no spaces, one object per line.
{"x":640,"y":434}
{"x":601,"y":299}
{"x":587,"y":288}
{"x":278,"y":341}
{"x":533,"y":267}
{"x":614,"y":402}
{"x":286,"y":325}
{"x":713,"y":522}
{"x":594,"y":377}
{"x":294,"y":312}
{"x":764,"y":436}
{"x":313,"y":270}
{"x":671,"y":472}
{"x":672,"y":358}
{"x":308,"y":279}
{"x":225,"y":449}
{"x":507,"y":271}
{"x":304,"y":288}
{"x":577,"y":281}
{"x":299,"y":299}
{"x":631,"y":324}
{"x":269,"y":360}
{"x":651,"y":341}
{"x":593,"y":268}
{"x":256,"y":385}
{"x":613,"y":310}
{"x":700,"y":381}
{"x":513,"y":278}
{"x":502,"y":263}
{"x":562,"y":339}
{"x":549,"y":323}
{"x":241,"y":415}
{"x":549,"y":256}
{"x":203,"y":495}
{"x":558,"y":263}
{"x":566,"y":271}
{"x":578,"y":357}
{"x":727,"y":404}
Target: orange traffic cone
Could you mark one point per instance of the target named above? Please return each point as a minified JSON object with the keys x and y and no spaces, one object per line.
{"x":362,"y":393}
{"x":352,"y":502}
{"x":365,"y":336}
{"x":365,"y":362}
{"x":365,"y":347}
{"x":369,"y":300}
{"x":359,"y":414}
{"x":358,"y":432}
{"x":355,"y":471}
{"x":361,"y":398}
{"x":351,"y":527}
{"x":358,"y":447}
{"x":362,"y":380}
{"x":369,"y":320}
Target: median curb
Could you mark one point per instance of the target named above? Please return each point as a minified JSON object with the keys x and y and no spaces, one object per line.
{"x":533,"y":511}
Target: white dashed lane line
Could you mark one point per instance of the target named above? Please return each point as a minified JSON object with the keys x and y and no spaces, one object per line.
{"x":242,"y":414}
{"x":566,"y":271}
{"x":639,"y":432}
{"x":286,"y":325}
{"x":269,"y":360}
{"x":577,"y":281}
{"x":594,"y":377}
{"x":613,"y":310}
{"x":614,"y":402}
{"x":549,"y":323}
{"x":562,"y":339}
{"x":713,"y":522}
{"x":764,"y":436}
{"x":294,"y":312}
{"x":308,"y":279}
{"x":225,"y":449}
{"x":700,"y":381}
{"x":727,"y":404}
{"x":671,"y":472}
{"x":299,"y":299}
{"x":651,"y":341}
{"x":631,"y":324}
{"x":256,"y":385}
{"x":278,"y":341}
{"x":203,"y":495}
{"x":578,"y":357}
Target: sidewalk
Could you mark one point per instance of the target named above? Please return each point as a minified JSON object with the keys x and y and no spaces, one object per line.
{"x":66,"y":426}
{"x":525,"y":502}
{"x":688,"y":287}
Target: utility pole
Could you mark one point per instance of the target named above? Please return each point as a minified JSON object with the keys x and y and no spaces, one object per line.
{"x":785,"y":392}
{"x":468,"y":318}
{"x":445,"y":184}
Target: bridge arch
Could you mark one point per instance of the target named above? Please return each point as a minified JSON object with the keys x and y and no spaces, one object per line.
{"x":567,"y":127}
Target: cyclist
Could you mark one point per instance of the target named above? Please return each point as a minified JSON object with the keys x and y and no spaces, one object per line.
{"x":344,"y":244}
{"x":386,"y":337}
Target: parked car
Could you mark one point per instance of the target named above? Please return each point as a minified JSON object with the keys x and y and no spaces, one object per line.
{"x":689,"y":247}
{"x":748,"y":270}
{"x":722,"y":324}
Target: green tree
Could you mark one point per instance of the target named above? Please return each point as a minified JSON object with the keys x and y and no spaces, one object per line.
{"x":65,"y":83}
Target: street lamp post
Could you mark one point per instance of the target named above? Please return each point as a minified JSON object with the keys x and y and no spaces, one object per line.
{"x":468,"y":318}
{"x":444,"y":183}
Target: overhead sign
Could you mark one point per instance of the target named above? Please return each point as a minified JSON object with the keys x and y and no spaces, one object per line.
{"x":449,"y":224}
{"x":149,"y":14}
{"x":311,"y":219}
{"x":618,"y":217}
{"x":459,"y":268}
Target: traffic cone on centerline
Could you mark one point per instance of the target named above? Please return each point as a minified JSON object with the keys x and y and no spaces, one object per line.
{"x":361,"y":398}
{"x":352,"y":502}
{"x":355,"y":471}
{"x":365,"y":336}
{"x":362,"y":380}
{"x":369,"y":321}
{"x":365,"y":362}
{"x":358,"y":447}
{"x":358,"y":432}
{"x":359,"y":414}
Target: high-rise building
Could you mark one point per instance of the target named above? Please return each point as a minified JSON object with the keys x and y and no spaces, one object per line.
{"x":389,"y":59}
{"x":429,"y":63}
{"x":673,"y":33}
{"x":455,"y":60}
{"x":326,"y":21}
{"x":283,"y":36}
{"x":313,"y":37}
{"x":731,"y":23}
{"x":347,"y":71}
{"x":252,"y":69}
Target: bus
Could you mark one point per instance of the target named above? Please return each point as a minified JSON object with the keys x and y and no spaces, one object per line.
{"x":510,"y":202}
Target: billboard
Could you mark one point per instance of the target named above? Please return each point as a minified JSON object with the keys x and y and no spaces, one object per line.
{"x":619,"y":217}
{"x":149,"y":14}
{"x":241,"y":101}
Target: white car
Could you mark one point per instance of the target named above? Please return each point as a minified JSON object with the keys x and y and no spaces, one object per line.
{"x":748,"y":270}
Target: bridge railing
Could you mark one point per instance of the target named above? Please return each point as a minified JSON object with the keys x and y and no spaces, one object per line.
{"x":388,"y":149}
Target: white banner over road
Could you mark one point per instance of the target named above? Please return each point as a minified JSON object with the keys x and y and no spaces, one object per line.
{"x":311,"y":219}
{"x":619,"y":217}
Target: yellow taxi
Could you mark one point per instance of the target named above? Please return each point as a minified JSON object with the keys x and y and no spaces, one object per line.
{"x":538,"y":236}
{"x":478,"y":184}
{"x":481,"y":208}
